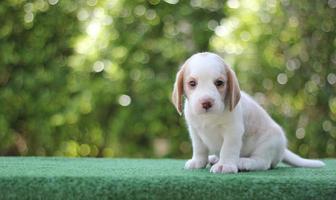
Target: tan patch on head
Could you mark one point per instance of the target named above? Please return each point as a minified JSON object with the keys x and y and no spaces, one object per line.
{"x":223,"y":90}
{"x":177,"y":94}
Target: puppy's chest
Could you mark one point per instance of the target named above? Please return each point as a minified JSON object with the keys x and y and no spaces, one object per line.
{"x":211,"y":135}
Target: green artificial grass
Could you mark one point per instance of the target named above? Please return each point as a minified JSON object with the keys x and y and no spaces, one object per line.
{"x":101,"y":178}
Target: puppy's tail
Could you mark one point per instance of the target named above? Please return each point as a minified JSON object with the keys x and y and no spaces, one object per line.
{"x":294,"y":160}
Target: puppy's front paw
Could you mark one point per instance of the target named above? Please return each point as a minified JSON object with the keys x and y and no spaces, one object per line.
{"x":224,"y":168}
{"x":195,"y":164}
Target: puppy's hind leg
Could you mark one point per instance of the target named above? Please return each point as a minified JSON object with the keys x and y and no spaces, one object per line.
{"x":253,"y":164}
{"x":267,"y":155}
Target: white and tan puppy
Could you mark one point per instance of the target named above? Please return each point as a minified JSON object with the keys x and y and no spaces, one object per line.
{"x":227,"y":123}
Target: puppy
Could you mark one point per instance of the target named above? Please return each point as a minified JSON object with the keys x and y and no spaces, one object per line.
{"x":227,"y":123}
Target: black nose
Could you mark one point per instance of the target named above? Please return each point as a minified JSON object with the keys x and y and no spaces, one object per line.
{"x":206,"y":105}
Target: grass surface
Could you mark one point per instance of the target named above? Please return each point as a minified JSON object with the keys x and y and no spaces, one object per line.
{"x":92,"y":178}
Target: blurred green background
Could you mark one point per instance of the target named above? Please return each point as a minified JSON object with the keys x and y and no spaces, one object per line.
{"x":94,"y":77}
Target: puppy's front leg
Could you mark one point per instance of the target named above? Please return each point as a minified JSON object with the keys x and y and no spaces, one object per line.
{"x":229,"y":153}
{"x":200,"y":152}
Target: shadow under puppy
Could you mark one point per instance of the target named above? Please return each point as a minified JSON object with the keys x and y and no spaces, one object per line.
{"x":227,"y":123}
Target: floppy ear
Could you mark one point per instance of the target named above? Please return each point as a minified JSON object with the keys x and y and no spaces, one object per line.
{"x":233,"y":90}
{"x":178,"y":91}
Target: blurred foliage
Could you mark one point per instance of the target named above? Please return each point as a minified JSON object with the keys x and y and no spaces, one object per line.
{"x":93,"y":78}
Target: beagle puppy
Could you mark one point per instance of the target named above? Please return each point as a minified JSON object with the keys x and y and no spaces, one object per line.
{"x":227,"y":123}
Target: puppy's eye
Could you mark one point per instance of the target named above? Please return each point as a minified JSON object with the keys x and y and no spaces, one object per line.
{"x":192,"y":83}
{"x":219,"y":83}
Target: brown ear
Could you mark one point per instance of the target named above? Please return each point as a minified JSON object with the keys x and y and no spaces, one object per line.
{"x":233,"y":90}
{"x":178,"y":91}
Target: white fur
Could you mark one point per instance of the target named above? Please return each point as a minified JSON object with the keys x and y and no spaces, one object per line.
{"x":245,"y":138}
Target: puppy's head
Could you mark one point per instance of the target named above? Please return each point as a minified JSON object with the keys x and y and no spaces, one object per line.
{"x":208,"y":83}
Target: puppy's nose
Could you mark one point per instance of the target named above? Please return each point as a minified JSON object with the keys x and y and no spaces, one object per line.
{"x":206,"y":104}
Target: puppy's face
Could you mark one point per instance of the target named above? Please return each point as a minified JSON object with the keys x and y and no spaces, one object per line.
{"x":205,"y":83}
{"x":208,"y":84}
